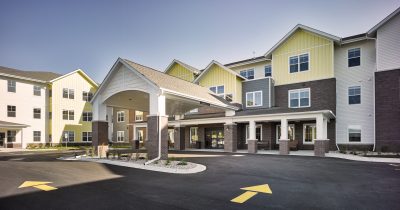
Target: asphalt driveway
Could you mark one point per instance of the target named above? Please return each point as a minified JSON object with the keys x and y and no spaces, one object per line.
{"x":295,"y":182}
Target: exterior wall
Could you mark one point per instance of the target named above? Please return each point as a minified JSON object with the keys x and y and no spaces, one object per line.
{"x":363,"y":75}
{"x":181,"y":72}
{"x":265,"y":85}
{"x":120,"y":126}
{"x":388,"y":45}
{"x":79,"y":83}
{"x":387,"y":110}
{"x":218,"y":76}
{"x":320,"y":52}
{"x":25,"y":102}
{"x":259,"y":68}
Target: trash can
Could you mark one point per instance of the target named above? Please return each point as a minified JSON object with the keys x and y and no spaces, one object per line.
{"x":198,"y":145}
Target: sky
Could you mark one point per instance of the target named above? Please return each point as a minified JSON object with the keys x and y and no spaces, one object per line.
{"x":62,"y":36}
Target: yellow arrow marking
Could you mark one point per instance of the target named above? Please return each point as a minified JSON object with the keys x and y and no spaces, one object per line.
{"x":252,"y":191}
{"x":39,"y":185}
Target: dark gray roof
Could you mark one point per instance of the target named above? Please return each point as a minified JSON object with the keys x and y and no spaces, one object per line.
{"x":36,"y":75}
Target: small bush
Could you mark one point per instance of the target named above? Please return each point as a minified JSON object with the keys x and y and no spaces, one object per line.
{"x":167,"y":162}
{"x":182,"y":163}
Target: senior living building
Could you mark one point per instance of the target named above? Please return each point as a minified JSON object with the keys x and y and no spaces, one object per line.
{"x":311,"y":90}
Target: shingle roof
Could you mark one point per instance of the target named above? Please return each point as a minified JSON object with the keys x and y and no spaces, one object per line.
{"x":35,"y":75}
{"x":183,"y":87}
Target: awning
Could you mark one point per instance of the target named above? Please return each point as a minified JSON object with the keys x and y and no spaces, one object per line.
{"x":4,"y":124}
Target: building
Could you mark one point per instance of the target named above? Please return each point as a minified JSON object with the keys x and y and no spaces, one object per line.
{"x":38,"y":108}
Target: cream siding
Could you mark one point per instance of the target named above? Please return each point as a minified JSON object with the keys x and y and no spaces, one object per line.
{"x":388,"y":45}
{"x":320,"y":52}
{"x":258,"y":68}
{"x":363,"y":75}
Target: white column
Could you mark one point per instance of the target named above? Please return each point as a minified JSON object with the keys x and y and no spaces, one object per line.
{"x":320,"y":126}
{"x":157,"y":104}
{"x":252,"y":130}
{"x":284,"y":129}
{"x":99,"y":110}
{"x":325,"y":132}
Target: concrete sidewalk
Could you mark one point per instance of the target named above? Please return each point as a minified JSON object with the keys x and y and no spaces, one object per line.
{"x":332,"y":154}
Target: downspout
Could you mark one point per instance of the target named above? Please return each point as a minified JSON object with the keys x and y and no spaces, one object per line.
{"x":159,"y":136}
{"x":373,"y":89}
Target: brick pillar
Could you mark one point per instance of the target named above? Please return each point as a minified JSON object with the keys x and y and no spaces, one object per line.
{"x":284,"y":146}
{"x":202,"y":136}
{"x":179,"y":138}
{"x":320,"y":147}
{"x":100,"y":137}
{"x":252,"y":146}
{"x":230,"y":137}
{"x":152,"y":142}
{"x":327,"y":146}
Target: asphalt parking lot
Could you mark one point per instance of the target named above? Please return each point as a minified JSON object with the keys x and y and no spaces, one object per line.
{"x":295,"y":182}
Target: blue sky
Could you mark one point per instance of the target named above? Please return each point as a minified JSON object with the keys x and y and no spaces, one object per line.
{"x":61,"y":36}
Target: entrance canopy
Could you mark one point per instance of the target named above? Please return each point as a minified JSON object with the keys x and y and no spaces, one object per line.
{"x":10,"y":125}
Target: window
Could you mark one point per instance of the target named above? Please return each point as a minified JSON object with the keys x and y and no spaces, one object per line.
{"x":120,"y":136}
{"x":68,"y":114}
{"x":355,"y":95}
{"x":87,"y":136}
{"x":354,"y":57}
{"x":87,"y":96}
{"x":291,"y":132}
{"x":298,"y":63}
{"x":220,"y":91}
{"x":36,"y":135}
{"x":268,"y":71}
{"x":11,"y":135}
{"x":68,"y":135}
{"x":68,"y":93}
{"x":36,"y":90}
{"x":299,"y":98}
{"x":87,"y":116}
{"x":11,"y":111}
{"x":121,"y":116}
{"x":36,"y":113}
{"x":194,"y":137}
{"x":309,"y":133}
{"x":354,"y":134}
{"x":138,"y":116}
{"x":11,"y":86}
{"x":248,"y":74}
{"x":254,"y":99}
{"x":258,"y":132}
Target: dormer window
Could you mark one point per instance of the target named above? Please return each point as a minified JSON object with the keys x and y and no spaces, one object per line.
{"x":248,"y":73}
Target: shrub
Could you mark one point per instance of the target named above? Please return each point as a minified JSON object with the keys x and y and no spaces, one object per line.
{"x":167,"y":162}
{"x":182,"y":162}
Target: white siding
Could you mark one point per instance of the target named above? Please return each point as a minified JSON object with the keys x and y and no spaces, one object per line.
{"x":356,"y":114}
{"x":25,"y":102}
{"x":258,"y":67}
{"x":388,"y":45}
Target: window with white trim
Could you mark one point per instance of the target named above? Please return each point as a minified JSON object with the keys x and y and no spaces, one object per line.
{"x":68,"y":93}
{"x":299,"y":63}
{"x":120,"y":136}
{"x":11,"y":86}
{"x":194,"y":137}
{"x":299,"y":98}
{"x":258,"y":132}
{"x":138,"y":116}
{"x":254,"y":99}
{"x":87,"y":96}
{"x":68,"y":114}
{"x":11,"y":111}
{"x":68,"y":135}
{"x":121,"y":116}
{"x":87,"y":116}
{"x":87,"y":136}
{"x":309,"y":133}
{"x":268,"y":71}
{"x":291,"y":132}
{"x":354,"y":133}
{"x":36,"y":113}
{"x":11,"y":135}
{"x":354,"y":57}
{"x":355,"y":95}
{"x":220,"y":91}
{"x":36,"y":90}
{"x":248,"y":73}
{"x":36,"y":135}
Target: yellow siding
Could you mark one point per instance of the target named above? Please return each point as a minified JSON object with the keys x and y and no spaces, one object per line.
{"x":79,"y":83}
{"x":181,"y":72}
{"x":320,"y":52}
{"x":218,"y":76}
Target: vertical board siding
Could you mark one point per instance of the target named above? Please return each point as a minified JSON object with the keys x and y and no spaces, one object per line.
{"x":181,"y":72}
{"x":218,"y":76}
{"x":363,"y":75}
{"x":320,"y":52}
{"x":388,"y":45}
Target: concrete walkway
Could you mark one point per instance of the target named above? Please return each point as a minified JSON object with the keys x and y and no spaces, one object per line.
{"x":332,"y":154}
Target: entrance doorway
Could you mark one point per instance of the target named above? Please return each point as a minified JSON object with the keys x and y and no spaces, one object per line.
{"x":214,"y":138}
{"x":2,"y":138}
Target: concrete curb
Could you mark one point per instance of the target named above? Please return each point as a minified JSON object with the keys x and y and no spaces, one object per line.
{"x":199,"y":168}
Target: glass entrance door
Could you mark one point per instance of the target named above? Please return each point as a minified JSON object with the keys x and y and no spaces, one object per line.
{"x":2,"y":137}
{"x":214,"y":138}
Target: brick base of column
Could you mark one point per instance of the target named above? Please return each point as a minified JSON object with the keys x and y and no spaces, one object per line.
{"x":320,"y":147}
{"x":252,"y":146}
{"x":230,"y":137}
{"x":284,"y":148}
{"x":99,"y":135}
{"x":152,"y":142}
{"x":179,"y":138}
